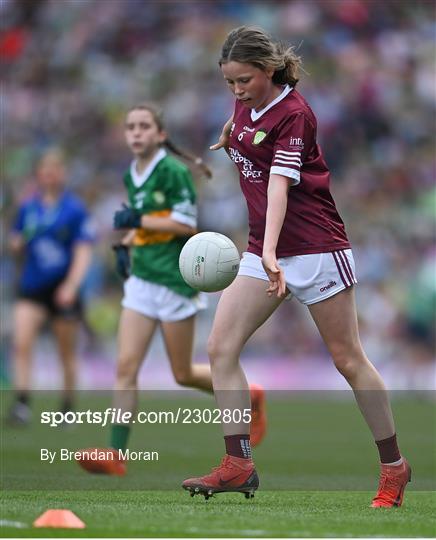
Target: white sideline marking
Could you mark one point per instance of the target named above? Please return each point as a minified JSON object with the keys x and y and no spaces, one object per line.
{"x":239,"y":532}
{"x":14,"y":524}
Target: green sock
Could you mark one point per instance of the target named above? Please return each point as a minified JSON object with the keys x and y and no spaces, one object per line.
{"x":119,"y":436}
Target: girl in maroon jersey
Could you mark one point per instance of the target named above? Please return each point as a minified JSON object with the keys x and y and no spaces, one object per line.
{"x":297,"y":243}
{"x":153,"y":301}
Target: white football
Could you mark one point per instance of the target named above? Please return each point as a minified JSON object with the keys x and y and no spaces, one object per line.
{"x":209,"y":261}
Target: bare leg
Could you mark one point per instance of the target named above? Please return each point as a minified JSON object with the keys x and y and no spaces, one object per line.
{"x":135,"y":332}
{"x":179,"y":339}
{"x":243,"y":307}
{"x":66,"y":331}
{"x":28,"y":318}
{"x":336,"y":320}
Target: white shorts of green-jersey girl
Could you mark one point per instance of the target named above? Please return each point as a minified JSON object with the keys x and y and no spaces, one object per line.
{"x":159,"y":302}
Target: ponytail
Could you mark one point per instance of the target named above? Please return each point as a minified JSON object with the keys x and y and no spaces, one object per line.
{"x":203,"y":168}
{"x":291,"y":62}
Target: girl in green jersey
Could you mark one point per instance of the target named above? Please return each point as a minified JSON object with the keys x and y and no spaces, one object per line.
{"x":160,"y":218}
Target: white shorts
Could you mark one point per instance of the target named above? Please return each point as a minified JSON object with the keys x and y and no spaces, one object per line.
{"x":159,"y":302}
{"x":310,"y":278}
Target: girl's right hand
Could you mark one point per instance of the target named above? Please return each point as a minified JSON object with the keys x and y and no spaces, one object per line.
{"x":223,"y":141}
{"x":122,"y":260}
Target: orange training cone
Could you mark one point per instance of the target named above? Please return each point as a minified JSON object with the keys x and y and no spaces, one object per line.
{"x":60,"y":519}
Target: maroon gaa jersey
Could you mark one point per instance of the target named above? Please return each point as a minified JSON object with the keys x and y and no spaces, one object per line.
{"x":281,"y":139}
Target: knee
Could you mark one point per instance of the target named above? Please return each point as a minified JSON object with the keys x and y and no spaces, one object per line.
{"x":223,"y":353}
{"x":126,"y":374}
{"x":218,"y":348}
{"x":68,"y":358}
{"x":22,"y":347}
{"x":347,"y":359}
{"x":212,"y":348}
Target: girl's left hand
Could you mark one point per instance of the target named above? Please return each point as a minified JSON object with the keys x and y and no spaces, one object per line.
{"x":127,"y":218}
{"x":65,"y":294}
{"x":277,"y":283}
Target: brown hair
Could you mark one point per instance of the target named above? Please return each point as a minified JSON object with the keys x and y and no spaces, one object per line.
{"x":252,"y":45}
{"x":157,"y":115}
{"x":52,"y":152}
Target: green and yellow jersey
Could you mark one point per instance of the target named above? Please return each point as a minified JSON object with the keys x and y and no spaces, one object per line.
{"x":165,"y":188}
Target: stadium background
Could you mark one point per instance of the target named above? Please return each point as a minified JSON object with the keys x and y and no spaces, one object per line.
{"x":71,"y":68}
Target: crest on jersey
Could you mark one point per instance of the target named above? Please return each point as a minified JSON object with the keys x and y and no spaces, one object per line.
{"x":259,"y":136}
{"x":159,"y":197}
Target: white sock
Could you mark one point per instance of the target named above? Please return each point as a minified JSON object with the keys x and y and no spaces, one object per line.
{"x":395,"y":463}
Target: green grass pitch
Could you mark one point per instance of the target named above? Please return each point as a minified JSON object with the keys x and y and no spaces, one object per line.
{"x":318,"y":471}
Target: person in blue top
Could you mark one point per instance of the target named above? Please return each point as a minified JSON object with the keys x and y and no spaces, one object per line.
{"x":53,"y":236}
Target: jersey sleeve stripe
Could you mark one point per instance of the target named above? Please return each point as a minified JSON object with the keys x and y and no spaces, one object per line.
{"x":184,"y":219}
{"x":288,"y":161}
{"x":288,"y":153}
{"x":289,"y":173}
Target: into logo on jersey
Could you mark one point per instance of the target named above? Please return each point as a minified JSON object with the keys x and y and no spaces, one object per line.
{"x":259,"y":136}
{"x":296,"y":141}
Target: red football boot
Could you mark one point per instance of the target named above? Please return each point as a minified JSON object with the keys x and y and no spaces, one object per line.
{"x":233,"y":475}
{"x":102,"y":461}
{"x":393,"y":481}
{"x":258,"y":414}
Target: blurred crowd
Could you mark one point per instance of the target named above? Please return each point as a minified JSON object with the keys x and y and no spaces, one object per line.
{"x":71,"y":68}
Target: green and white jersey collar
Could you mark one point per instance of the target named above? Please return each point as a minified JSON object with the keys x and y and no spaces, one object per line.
{"x":140,"y":179}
